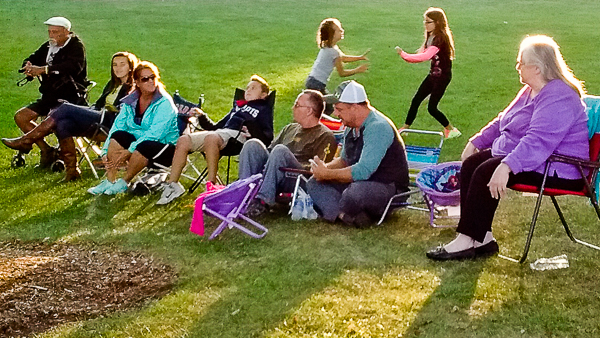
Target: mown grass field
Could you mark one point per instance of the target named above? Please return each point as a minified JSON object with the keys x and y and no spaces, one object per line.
{"x":309,"y":278}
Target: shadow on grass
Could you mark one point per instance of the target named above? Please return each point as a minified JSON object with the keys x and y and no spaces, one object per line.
{"x":256,"y":284}
{"x":265,"y":282}
{"x":451,"y":300}
{"x":236,"y":286}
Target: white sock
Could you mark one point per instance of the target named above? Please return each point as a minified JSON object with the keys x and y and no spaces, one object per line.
{"x":460,"y":243}
{"x":488,"y":238}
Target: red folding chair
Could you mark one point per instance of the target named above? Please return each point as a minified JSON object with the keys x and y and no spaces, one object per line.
{"x":588,"y":191}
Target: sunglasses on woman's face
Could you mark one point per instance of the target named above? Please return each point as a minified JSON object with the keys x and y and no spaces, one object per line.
{"x":147,"y":78}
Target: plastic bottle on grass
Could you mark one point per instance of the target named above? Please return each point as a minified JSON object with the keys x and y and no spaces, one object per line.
{"x":558,"y":262}
{"x":297,"y":207}
{"x":310,"y":210}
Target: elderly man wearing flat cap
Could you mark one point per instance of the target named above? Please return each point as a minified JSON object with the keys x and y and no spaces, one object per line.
{"x":356,"y":186}
{"x":60,"y":65}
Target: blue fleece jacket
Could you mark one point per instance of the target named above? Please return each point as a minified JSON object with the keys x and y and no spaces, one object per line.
{"x":159,"y":122}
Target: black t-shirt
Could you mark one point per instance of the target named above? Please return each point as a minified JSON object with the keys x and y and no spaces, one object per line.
{"x":441,"y":64}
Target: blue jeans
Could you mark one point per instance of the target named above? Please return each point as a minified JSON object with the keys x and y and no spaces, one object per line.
{"x":330,"y":199}
{"x":73,"y":120}
{"x":255,"y":158}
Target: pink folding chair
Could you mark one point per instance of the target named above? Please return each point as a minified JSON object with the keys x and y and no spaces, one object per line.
{"x":230,"y":204}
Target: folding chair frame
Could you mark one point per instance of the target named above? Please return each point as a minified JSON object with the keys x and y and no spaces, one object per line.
{"x":231,"y":149}
{"x":414,"y":167}
{"x":588,"y":192}
{"x":83,"y":144}
{"x":432,"y":154}
{"x":392,"y":206}
{"x":237,"y":211}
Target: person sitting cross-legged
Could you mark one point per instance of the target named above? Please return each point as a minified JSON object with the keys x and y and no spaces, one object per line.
{"x":249,"y":118}
{"x":372,"y":167}
{"x":295,"y":145}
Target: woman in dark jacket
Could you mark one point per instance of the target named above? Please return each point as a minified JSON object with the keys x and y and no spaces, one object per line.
{"x":69,"y":120}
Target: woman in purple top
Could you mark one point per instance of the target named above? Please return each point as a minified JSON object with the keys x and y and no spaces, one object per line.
{"x":546,"y":117}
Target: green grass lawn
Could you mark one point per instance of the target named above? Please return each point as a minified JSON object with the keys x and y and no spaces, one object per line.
{"x":310,"y":278}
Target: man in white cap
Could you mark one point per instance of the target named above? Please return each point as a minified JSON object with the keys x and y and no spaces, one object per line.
{"x":60,"y":65}
{"x":356,"y":186}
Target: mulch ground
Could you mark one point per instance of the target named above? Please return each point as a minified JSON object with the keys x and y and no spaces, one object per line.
{"x":45,"y":285}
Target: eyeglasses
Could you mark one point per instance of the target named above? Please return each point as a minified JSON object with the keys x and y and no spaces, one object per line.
{"x":428,"y":21}
{"x":147,"y":78}
{"x":296,"y":105}
{"x":520,"y":64}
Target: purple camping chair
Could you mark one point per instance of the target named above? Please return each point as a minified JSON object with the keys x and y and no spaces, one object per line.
{"x":440,"y":187}
{"x":230,"y":203}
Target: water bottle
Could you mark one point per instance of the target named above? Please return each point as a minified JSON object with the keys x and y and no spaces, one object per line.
{"x":297,"y":207}
{"x":310,"y":210}
{"x":558,"y":262}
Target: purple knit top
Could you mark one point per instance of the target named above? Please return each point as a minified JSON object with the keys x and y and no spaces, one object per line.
{"x":529,"y":130}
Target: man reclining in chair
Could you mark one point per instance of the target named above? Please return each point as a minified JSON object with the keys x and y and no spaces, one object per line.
{"x":295,"y":145}
{"x":371,"y":169}
{"x":249,"y":118}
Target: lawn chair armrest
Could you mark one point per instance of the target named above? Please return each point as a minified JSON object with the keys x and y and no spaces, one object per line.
{"x":296,"y":171}
{"x":573,"y":160}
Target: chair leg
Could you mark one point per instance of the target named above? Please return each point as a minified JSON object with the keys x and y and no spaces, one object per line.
{"x":228,"y":166}
{"x":391,"y":208}
{"x":198,"y":181}
{"x":536,"y":211}
{"x":564,"y":222}
{"x":82,"y":146}
{"x":230,"y":221}
{"x":562,"y":219}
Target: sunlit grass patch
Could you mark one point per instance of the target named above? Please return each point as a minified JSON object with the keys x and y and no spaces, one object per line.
{"x":362,"y":304}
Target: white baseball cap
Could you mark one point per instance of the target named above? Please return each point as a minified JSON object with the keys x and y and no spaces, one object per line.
{"x":59,"y":21}
{"x":347,"y":92}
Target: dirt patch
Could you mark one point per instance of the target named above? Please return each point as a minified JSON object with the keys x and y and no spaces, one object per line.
{"x":44,"y":285}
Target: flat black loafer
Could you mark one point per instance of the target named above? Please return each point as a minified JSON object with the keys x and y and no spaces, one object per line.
{"x":488,"y":249}
{"x":440,"y":254}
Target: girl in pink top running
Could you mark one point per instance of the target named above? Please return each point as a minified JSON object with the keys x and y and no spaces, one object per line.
{"x":439,"y":48}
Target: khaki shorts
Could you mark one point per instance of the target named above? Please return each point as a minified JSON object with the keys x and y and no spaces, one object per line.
{"x":225,"y":134}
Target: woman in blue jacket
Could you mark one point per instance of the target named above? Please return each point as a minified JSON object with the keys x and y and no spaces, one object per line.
{"x":145,"y":131}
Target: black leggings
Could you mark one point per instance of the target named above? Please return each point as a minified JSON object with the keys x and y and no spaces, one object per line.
{"x":436,"y":86}
{"x":477,"y":207}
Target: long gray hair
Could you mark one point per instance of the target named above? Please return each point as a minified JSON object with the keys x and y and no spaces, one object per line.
{"x":543,"y":51}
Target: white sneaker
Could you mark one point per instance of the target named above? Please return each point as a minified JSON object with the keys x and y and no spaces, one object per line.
{"x":120,"y":186}
{"x":171,"y":192}
{"x":100,"y":188}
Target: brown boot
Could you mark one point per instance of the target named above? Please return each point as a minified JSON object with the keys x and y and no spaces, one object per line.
{"x":68,"y":153}
{"x":25,"y":142}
